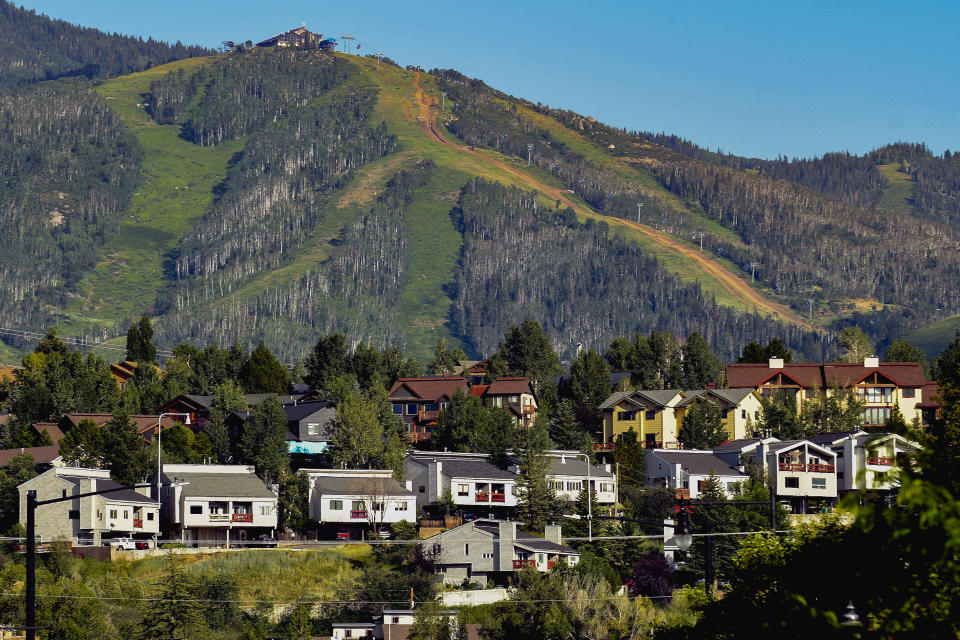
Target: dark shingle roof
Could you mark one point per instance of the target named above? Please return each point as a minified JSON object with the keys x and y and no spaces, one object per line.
{"x":576,"y":467}
{"x":302,"y":410}
{"x":41,"y":455}
{"x":524,"y":539}
{"x":126,"y":495}
{"x":700,"y":463}
{"x":216,"y":485}
{"x":737,"y":445}
{"x":454,"y":466}
{"x":359,"y":486}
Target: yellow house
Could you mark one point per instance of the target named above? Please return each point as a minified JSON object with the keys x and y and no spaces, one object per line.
{"x":737,"y":408}
{"x":649,"y":413}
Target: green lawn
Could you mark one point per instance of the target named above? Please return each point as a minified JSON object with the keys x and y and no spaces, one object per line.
{"x":935,"y":337}
{"x":898,"y":196}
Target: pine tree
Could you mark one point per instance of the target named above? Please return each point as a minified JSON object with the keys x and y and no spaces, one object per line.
{"x":537,"y":504}
{"x":702,"y":427}
{"x":227,"y":398}
{"x":329,"y":359}
{"x":700,"y":364}
{"x":588,"y":385}
{"x":125,"y":453}
{"x":174,"y":615}
{"x":527,"y":351}
{"x":445,"y":359}
{"x":134,"y":343}
{"x":148,"y":352}
{"x":263,"y":441}
{"x":262,"y":373}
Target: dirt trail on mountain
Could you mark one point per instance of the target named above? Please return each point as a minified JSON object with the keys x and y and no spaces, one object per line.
{"x":727,"y":279}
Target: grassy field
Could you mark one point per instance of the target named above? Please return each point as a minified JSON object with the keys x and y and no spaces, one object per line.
{"x":178,"y":178}
{"x":898,"y":196}
{"x":935,"y":337}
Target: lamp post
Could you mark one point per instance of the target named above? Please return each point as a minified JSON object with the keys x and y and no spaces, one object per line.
{"x":160,"y":448}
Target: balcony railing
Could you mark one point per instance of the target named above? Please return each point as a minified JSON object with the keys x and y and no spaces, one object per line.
{"x":425,"y":416}
{"x":653,"y":444}
{"x":482,"y":496}
{"x":418,"y":436}
{"x":881,"y":460}
{"x":520,"y":564}
{"x":602,"y":447}
{"x":242,"y":517}
{"x":682,"y":494}
{"x":799,"y":466}
{"x":498,"y":497}
{"x":138,"y":523}
{"x":357,"y":514}
{"x":219,"y":517}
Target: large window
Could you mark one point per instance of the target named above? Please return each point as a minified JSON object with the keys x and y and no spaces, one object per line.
{"x":818,"y":483}
{"x":909,"y":392}
{"x":876,"y":415}
{"x":626,"y":415}
{"x":651,"y":415}
{"x":195,"y":510}
{"x":113,"y":514}
{"x":463,"y":489}
{"x":411,"y":409}
{"x":313,"y":428}
{"x":791,"y":483}
{"x":336,"y":505}
{"x":398,"y":408}
{"x":430,"y":407}
{"x":875,"y":395}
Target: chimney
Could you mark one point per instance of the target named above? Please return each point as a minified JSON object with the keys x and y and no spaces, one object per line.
{"x":551,"y":533}
{"x":504,"y":547}
{"x":776,"y":363}
{"x":872,"y":362}
{"x":408,"y":484}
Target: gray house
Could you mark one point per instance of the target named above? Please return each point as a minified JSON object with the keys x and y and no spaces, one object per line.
{"x":310,"y":425}
{"x":493,"y":550}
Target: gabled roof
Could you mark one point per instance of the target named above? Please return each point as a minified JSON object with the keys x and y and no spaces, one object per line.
{"x":429,"y":389}
{"x":743,"y":444}
{"x":873,"y":438}
{"x":459,"y":465}
{"x":304,"y":409}
{"x":208,"y":482}
{"x":523,"y":540}
{"x":509,"y":387}
{"x":787,"y":445}
{"x":726,"y":397}
{"x":51,"y":429}
{"x":358,"y":486}
{"x":127,"y":495}
{"x":41,"y":455}
{"x":206,"y":402}
{"x":569,"y":466}
{"x":832,"y":438}
{"x":824,"y":375}
{"x":652,"y":398}
{"x":701,"y":463}
{"x":929,"y":396}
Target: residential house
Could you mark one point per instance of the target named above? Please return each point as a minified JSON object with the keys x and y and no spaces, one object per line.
{"x":686,"y":471}
{"x":739,"y":408}
{"x":126,"y":512}
{"x":146,"y":424}
{"x":217,"y":504}
{"x":44,"y":457}
{"x":476,"y":485}
{"x":198,"y":407}
{"x":396,"y":624}
{"x":802,"y":473}
{"x":418,"y":402}
{"x":929,"y":406}
{"x":352,"y":501}
{"x":867,"y":461}
{"x":492,"y":550}
{"x":122,"y":372}
{"x":299,"y":38}
{"x":473,"y":370}
{"x":351,"y":630}
{"x":879,"y":385}
{"x":568,"y":477}
{"x":310,"y":427}
{"x":51,"y":430}
{"x":513,"y":394}
{"x":650,"y":414}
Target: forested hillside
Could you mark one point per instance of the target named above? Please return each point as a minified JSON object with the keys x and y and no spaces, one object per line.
{"x":67,"y":170}
{"x":583,"y":282}
{"x":35,"y":47}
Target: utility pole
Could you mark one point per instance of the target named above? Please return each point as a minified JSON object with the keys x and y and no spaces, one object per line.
{"x":753,"y":268}
{"x":639,"y":209}
{"x":529,"y":153}
{"x":701,"y":242}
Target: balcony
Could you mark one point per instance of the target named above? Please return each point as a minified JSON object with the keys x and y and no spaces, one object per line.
{"x":653,"y":444}
{"x":498,"y":497}
{"x":799,"y":466}
{"x":520,"y":564}
{"x":602,"y":447}
{"x":219,"y":517}
{"x":358,"y":514}
{"x":482,"y":496}
{"x":418,"y":436}
{"x":138,"y":523}
{"x":682,"y":494}
{"x":242,"y":517}
{"x":884,"y":461}
{"x":427,"y":416}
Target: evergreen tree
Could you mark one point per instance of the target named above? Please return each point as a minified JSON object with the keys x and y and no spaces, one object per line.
{"x":702,"y":427}
{"x":445,"y":359}
{"x":839,"y":410}
{"x":262,"y":373}
{"x":263,"y":441}
{"x":537,"y":504}
{"x":182,"y":446}
{"x":83,"y":445}
{"x":20,"y":469}
{"x":778,"y":418}
{"x":367,"y":362}
{"x":588,"y":385}
{"x":227,"y":398}
{"x":896,"y":423}
{"x":628,"y":456}
{"x":134,"y":343}
{"x":722,"y":520}
{"x":357,"y":439}
{"x":946,"y":367}
{"x":467,"y":425}
{"x":902,"y":351}
{"x":329,"y":359}
{"x":700,"y":364}
{"x":148,"y":352}
{"x":175,"y":614}
{"x":125,"y":452}
{"x":618,"y":354}
{"x":565,"y":430}
{"x":527,"y":352}
{"x":753,"y":352}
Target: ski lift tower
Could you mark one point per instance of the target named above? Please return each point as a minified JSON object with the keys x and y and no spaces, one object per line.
{"x":346,"y":37}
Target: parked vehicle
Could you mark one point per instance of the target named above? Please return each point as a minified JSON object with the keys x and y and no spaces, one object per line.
{"x":129,"y":544}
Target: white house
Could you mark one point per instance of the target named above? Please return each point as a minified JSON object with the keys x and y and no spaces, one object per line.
{"x":568,"y":477}
{"x":217,"y":504}
{"x":351,"y":501}
{"x":474,"y":482}
{"x":867,"y":461}
{"x":687,"y":470}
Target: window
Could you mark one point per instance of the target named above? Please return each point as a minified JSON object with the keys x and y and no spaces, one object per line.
{"x":430,"y":407}
{"x":422,"y":488}
{"x":126,"y":514}
{"x":336,"y":505}
{"x":724,"y":413}
{"x":651,"y":415}
{"x":196,"y":509}
{"x":487,"y":556}
{"x":743,"y":414}
{"x":398,"y":408}
{"x":626,"y":415}
{"x":466,"y":549}
{"x":909,"y":392}
{"x":313,"y":428}
{"x":348,"y":633}
{"x":463,"y":489}
{"x":443,"y":406}
{"x":791,"y":483}
{"x":63,"y":493}
{"x":875,"y":395}
{"x":265,"y":511}
{"x":150,"y":515}
{"x":395,"y":619}
{"x":99,"y":515}
{"x":876,"y":415}
{"x":358,"y":505}
{"x":818,"y":483}
{"x":732,"y":486}
{"x":74,"y":514}
{"x":411,"y":409}
{"x":378,"y":506}
{"x":402,"y":506}
{"x":113,"y":514}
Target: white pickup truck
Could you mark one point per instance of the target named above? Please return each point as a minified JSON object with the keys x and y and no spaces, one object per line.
{"x":129,"y":544}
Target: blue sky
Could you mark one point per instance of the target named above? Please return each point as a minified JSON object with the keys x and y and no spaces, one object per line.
{"x":752,"y":78}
